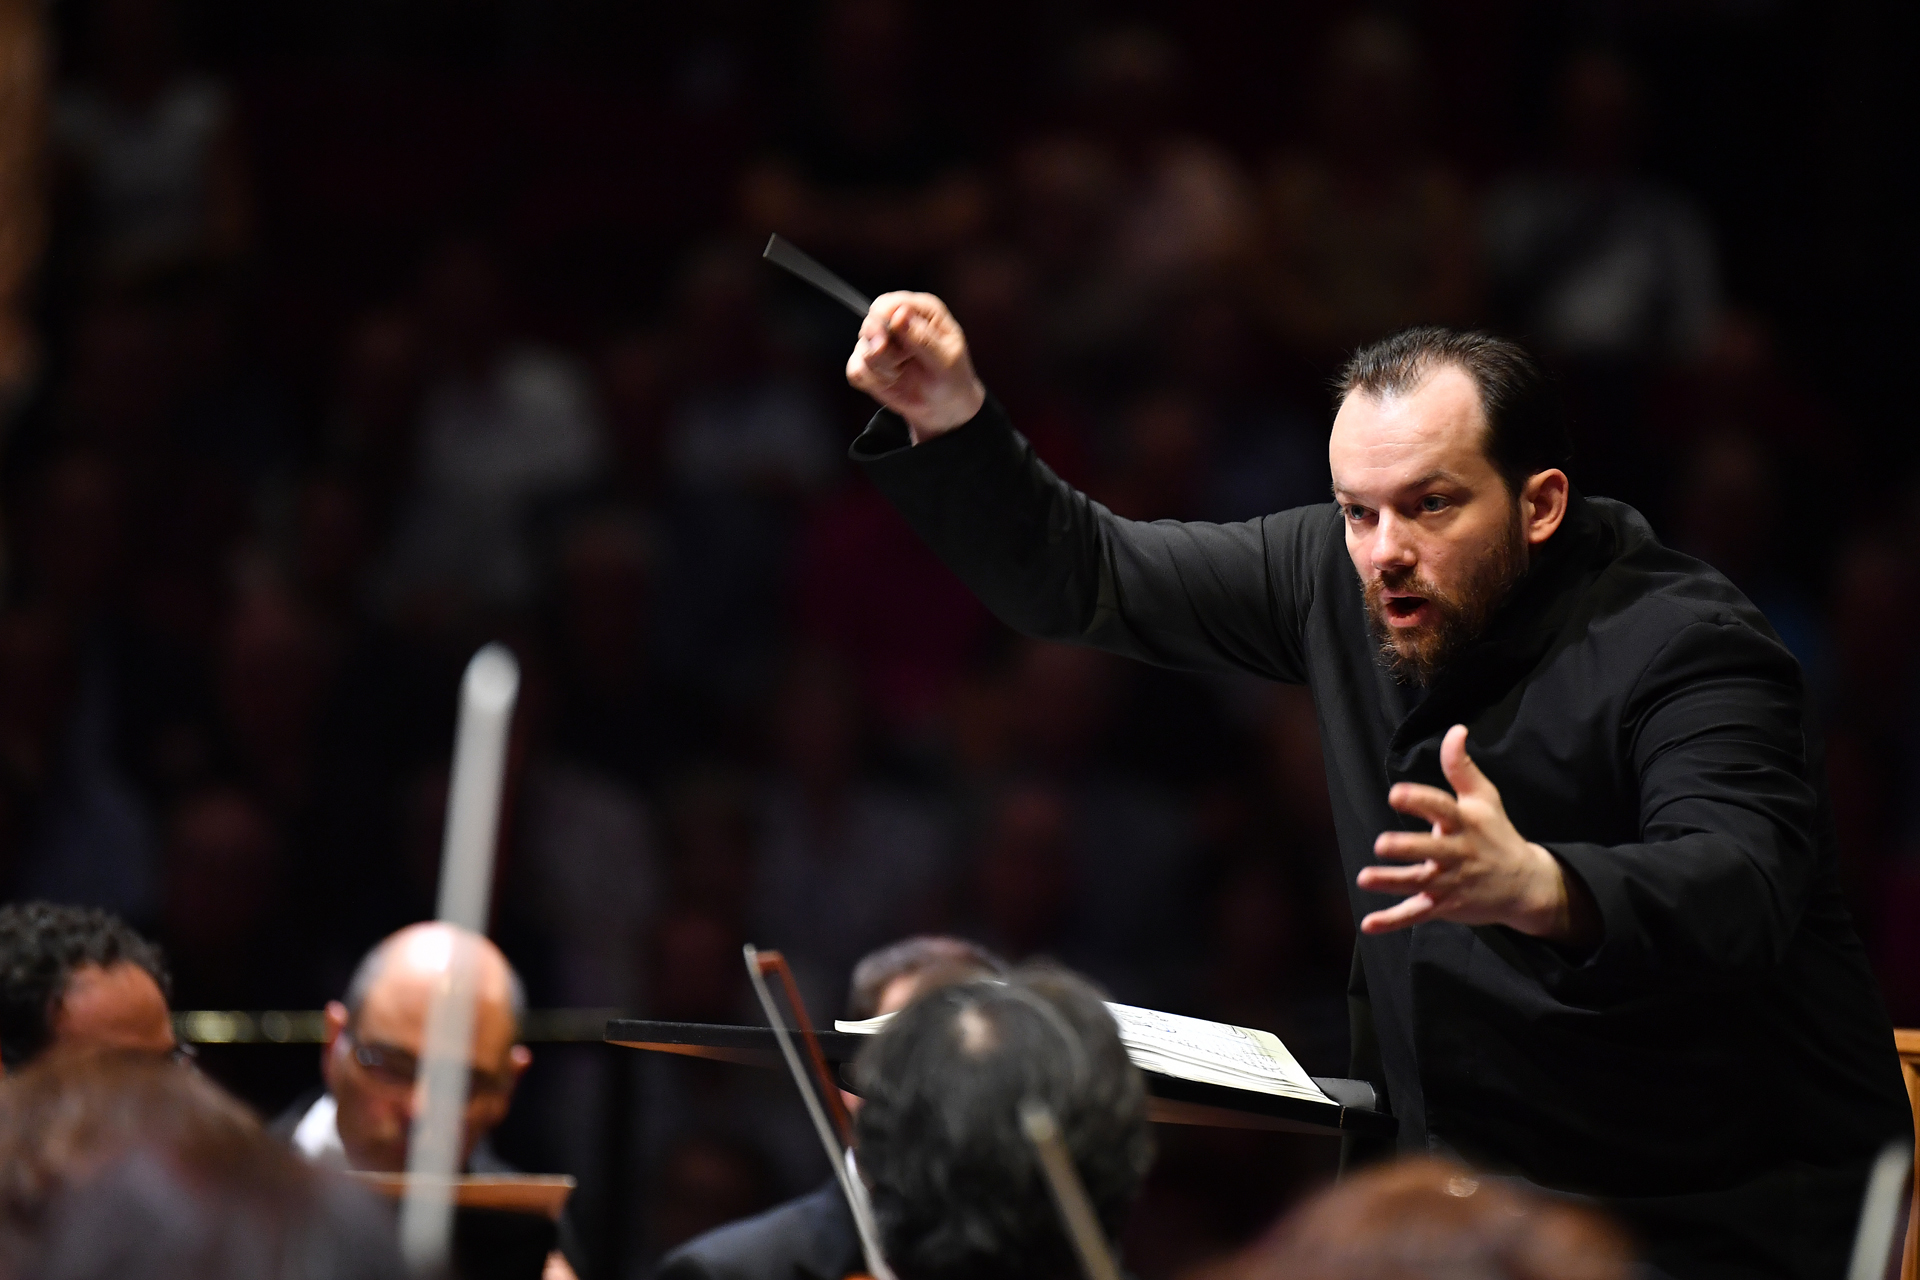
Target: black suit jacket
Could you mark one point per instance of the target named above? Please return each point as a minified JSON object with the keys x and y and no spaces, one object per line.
{"x":1720,"y":1068}
{"x":811,"y":1238}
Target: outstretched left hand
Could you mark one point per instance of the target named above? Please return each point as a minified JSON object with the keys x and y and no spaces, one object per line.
{"x":1473,"y":867}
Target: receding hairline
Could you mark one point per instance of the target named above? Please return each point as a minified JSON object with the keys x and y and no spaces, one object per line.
{"x":1527,"y":431}
{"x":373,"y":966}
{"x":1418,"y":375}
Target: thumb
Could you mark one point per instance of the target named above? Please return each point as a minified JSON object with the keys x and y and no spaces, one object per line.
{"x":1463,"y":775}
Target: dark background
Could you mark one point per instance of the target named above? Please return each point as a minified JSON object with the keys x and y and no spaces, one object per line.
{"x":376,"y":329}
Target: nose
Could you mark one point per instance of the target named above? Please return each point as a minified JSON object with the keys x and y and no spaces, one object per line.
{"x":1393,"y":543}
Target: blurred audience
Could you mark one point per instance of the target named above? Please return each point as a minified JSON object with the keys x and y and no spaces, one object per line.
{"x":224,"y":885}
{"x":152,"y":151}
{"x":746,"y":445}
{"x":866,"y":172}
{"x":1367,"y":229}
{"x":504,"y":427}
{"x":77,"y":979}
{"x":23,"y":196}
{"x":1126,"y":206}
{"x":843,"y":862}
{"x":1592,"y":258}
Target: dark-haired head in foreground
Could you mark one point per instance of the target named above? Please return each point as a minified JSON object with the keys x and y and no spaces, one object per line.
{"x":124,"y":1166}
{"x":1448,"y":456}
{"x":1424,"y":1219}
{"x":78,"y":976}
{"x":955,"y":1184}
{"x":813,"y":1235}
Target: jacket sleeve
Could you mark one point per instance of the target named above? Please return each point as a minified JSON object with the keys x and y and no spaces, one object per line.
{"x":1052,"y":563}
{"x":1730,"y":824}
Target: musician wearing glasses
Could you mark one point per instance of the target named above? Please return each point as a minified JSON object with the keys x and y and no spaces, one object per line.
{"x":362,"y":1118}
{"x":375,"y":1036}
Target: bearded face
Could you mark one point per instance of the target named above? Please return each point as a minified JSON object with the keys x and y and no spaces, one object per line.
{"x":1438,"y":535}
{"x":1421,"y":624}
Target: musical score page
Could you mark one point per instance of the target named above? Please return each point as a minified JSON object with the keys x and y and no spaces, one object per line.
{"x":1172,"y":1044}
{"x":1212,"y":1053}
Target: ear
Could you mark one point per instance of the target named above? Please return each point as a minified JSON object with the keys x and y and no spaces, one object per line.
{"x":336,"y":1016}
{"x":1543,"y":504}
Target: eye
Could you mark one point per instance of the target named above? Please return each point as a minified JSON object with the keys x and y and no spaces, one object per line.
{"x":1433,"y":502}
{"x":1354,"y":512}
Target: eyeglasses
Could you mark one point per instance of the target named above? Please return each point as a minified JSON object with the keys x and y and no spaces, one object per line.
{"x":399,"y":1069}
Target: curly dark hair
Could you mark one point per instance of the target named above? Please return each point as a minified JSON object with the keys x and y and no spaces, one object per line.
{"x":41,"y":944}
{"x":956,"y":1186}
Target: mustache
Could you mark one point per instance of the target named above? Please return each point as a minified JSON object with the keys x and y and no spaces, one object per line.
{"x":1404,"y":581}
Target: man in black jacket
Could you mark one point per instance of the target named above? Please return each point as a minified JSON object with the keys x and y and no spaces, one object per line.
{"x":1602,"y":943}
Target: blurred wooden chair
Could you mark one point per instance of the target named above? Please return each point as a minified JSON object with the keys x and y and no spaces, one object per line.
{"x":1907,"y":1041}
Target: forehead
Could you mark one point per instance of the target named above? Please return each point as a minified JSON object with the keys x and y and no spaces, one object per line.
{"x":395,"y":1011}
{"x":1381,"y":444}
{"x":118,"y":1005}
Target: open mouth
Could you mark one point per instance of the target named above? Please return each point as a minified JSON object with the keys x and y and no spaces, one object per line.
{"x":1405,"y":610}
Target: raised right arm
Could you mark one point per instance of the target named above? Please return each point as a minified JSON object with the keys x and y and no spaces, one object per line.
{"x":1048,"y":560}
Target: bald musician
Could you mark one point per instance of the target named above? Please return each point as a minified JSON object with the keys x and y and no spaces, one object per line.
{"x":363,"y":1117}
{"x":1602,"y":944}
{"x":813,"y":1237}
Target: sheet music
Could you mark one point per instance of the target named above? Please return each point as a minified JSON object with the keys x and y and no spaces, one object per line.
{"x":1191,"y":1049}
{"x":1212,"y":1052}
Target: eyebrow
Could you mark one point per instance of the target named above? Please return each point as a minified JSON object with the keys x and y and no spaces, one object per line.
{"x":1438,"y":476}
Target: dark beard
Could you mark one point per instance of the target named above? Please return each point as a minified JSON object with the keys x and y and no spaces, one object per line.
{"x":1417,"y":655}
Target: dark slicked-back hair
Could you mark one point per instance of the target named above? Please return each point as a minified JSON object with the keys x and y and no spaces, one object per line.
{"x":956,"y":1187}
{"x":41,"y":944}
{"x":1526,"y":424}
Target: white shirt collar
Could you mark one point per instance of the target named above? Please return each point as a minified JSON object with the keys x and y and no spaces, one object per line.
{"x":317,"y":1136}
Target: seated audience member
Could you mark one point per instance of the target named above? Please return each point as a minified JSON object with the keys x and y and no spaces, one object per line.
{"x":78,"y":977}
{"x":120,"y":1165}
{"x":363,"y":1117}
{"x":957,"y":1190}
{"x":813,"y":1238}
{"x":1425,"y":1219}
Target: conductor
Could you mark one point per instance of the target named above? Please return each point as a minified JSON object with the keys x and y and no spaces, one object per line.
{"x":1579,"y":799}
